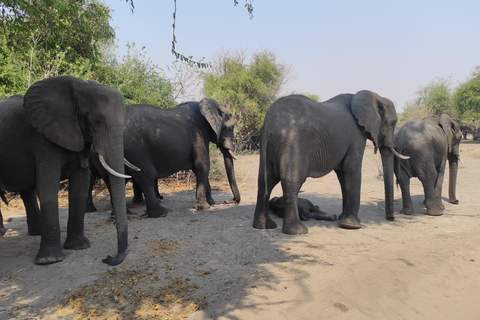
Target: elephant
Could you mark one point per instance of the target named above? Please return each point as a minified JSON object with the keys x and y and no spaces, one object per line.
{"x":46,"y":137}
{"x":4,"y":199}
{"x":302,"y":138}
{"x":429,"y":142}
{"x":161,"y":142}
{"x":306,"y":209}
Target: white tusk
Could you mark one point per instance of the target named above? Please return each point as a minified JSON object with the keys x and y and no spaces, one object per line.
{"x":398,"y":155}
{"x":110,"y":170}
{"x":232,"y":154}
{"x":459,"y":159}
{"x":131,"y":166}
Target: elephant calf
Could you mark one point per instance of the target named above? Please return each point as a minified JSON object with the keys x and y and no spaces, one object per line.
{"x":428,"y":142}
{"x":306,"y":209}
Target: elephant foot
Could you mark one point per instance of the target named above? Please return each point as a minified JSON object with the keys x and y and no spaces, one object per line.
{"x":407,"y":211}
{"x":79,"y":242}
{"x":454,"y":201}
{"x":265,"y":223}
{"x":435,"y":212}
{"x":161,"y":212}
{"x":138,"y":200}
{"x":211,"y":201}
{"x":91,"y":208}
{"x":294,"y":228}
{"x":350,"y":223}
{"x":232,"y":201}
{"x":49,"y":254}
{"x":201,"y":206}
{"x":441,"y":206}
{"x":34,"y":231}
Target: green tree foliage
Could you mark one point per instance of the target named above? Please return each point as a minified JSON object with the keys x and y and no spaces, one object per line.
{"x":247,"y":89}
{"x":137,"y":78}
{"x":466,"y":99}
{"x":434,"y":98}
{"x":42,"y":38}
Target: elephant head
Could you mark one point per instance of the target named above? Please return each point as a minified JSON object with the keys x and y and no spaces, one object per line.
{"x":378,"y":117}
{"x":221,"y":122}
{"x":75,"y":115}
{"x":453,"y":134}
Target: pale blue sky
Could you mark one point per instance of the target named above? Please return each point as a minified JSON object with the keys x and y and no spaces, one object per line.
{"x":332,"y":47}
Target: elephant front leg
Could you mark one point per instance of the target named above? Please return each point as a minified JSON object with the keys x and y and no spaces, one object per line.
{"x":202,"y":190}
{"x":34,"y":224}
{"x":77,"y":198}
{"x":50,"y":248}
{"x":351,"y":197}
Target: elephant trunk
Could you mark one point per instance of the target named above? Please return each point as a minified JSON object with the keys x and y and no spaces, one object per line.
{"x":113,"y":154}
{"x":452,"y":183}
{"x":387,"y":163}
{"x":229,"y":167}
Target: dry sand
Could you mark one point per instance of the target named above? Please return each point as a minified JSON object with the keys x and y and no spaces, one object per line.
{"x":417,"y":267}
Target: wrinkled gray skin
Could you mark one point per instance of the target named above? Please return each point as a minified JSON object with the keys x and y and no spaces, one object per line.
{"x":161,"y":142}
{"x":306,"y":209}
{"x":429,"y":143}
{"x":301,"y":138}
{"x":45,"y":137}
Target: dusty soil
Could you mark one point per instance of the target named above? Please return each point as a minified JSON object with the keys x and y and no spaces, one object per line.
{"x":213,"y":265}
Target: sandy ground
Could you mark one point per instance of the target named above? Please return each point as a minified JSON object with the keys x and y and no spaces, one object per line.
{"x":417,"y":267}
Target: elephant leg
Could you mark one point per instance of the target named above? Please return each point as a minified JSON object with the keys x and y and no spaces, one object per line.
{"x":429,"y":189}
{"x":2,"y":227}
{"x":202,"y":188}
{"x":262,"y":219}
{"x":291,"y":218}
{"x":209,"y":194}
{"x":48,"y":183}
{"x":438,"y":189}
{"x":137,"y":193}
{"x":34,"y":224}
{"x":341,"y":180}
{"x":77,"y":198}
{"x":351,"y":176}
{"x":157,"y":193}
{"x":404,"y":182}
{"x":154,"y":209}
{"x":90,"y":206}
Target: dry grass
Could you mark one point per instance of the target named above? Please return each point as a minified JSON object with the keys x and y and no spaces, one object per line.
{"x":133,"y":292}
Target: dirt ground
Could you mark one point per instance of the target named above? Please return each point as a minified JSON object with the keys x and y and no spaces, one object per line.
{"x":213,"y":265}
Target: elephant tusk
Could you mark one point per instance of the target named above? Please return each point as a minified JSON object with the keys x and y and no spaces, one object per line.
{"x":458,"y":157}
{"x":110,"y":170}
{"x":232,"y":154}
{"x":131,"y":166}
{"x":398,"y":155}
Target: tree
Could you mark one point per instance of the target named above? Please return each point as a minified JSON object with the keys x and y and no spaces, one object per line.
{"x":137,"y":78}
{"x":466,"y":99}
{"x":43,"y":38}
{"x":247,"y":89}
{"x":434,"y":98}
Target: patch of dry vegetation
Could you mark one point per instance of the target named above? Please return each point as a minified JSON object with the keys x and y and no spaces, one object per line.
{"x":136,"y":292}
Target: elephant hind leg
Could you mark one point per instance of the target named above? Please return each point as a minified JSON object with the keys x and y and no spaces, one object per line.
{"x":262,"y":219}
{"x":433,"y":208}
{"x":29,"y":199}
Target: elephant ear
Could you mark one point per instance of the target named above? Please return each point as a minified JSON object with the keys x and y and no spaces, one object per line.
{"x":448,"y":127}
{"x":210,"y":109}
{"x":51,"y":107}
{"x":368,"y":110}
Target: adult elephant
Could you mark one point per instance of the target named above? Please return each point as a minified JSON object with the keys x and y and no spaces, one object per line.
{"x":429,"y":142}
{"x":301,"y":138}
{"x":163,"y":141}
{"x":46,"y":136}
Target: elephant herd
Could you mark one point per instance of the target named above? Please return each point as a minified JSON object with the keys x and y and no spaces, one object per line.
{"x":68,"y":128}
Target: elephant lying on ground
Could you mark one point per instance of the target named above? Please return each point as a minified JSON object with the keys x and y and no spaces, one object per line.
{"x":306,"y":209}
{"x":429,"y":143}
{"x":46,"y":136}
{"x":302,"y":138}
{"x":161,"y":142}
